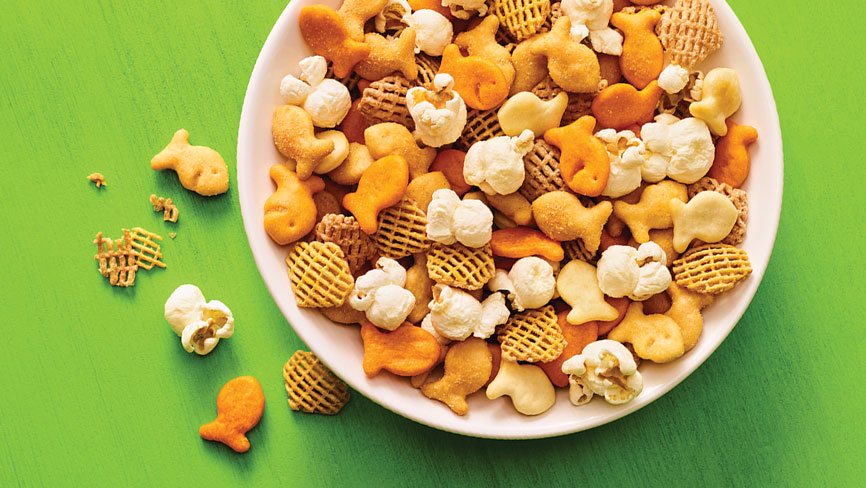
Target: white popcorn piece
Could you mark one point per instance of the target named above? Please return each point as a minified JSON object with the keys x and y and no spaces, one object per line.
{"x":592,"y":18}
{"x":605,"y":368}
{"x":457,"y":315}
{"x":450,"y":220}
{"x":673,"y":78}
{"x":496,"y":165}
{"x":627,"y":155}
{"x":381,"y":295}
{"x":680,"y":149}
{"x":636,"y":273}
{"x":439,"y":114}
{"x":530,"y":283}
{"x":433,"y":31}
{"x":326,"y":100}
{"x":199,"y":323}
{"x":464,"y":9}
{"x":427,"y":324}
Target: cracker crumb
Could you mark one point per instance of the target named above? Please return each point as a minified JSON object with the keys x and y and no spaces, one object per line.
{"x":97,"y":179}
{"x":172,"y":235}
{"x":170,"y":212}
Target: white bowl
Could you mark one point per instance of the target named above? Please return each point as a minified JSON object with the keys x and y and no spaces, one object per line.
{"x":340,"y":346}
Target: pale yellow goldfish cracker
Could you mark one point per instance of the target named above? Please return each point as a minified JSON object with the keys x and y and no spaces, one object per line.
{"x":388,"y":55}
{"x":636,"y":273}
{"x":654,"y":337}
{"x":708,"y":216}
{"x":529,"y":284}
{"x":530,"y":390}
{"x":439,"y":114}
{"x":350,"y":171}
{"x":389,"y":138}
{"x":605,"y":368}
{"x":199,"y":168}
{"x":422,"y":188}
{"x":561,"y":216}
{"x":721,"y":98}
{"x":514,"y":206}
{"x":653,"y":211}
{"x":420,"y":284}
{"x":451,"y":220}
{"x":326,"y":100}
{"x":341,"y":151}
{"x":456,"y":315}
{"x":525,"y":111}
{"x":199,"y":323}
{"x":381,"y":295}
{"x":496,"y":165}
{"x":577,"y":285}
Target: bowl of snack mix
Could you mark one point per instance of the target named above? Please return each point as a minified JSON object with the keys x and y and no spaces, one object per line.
{"x":510,"y":218}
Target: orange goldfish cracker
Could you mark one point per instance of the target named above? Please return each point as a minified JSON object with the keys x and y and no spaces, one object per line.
{"x":327,"y":36}
{"x":468,"y":365}
{"x":571,"y":65}
{"x":642,"y":56}
{"x":382,"y":185}
{"x":621,"y":106}
{"x":240,"y":404}
{"x":199,"y":168}
{"x":394,"y":139}
{"x":290,"y":212}
{"x":520,"y":242}
{"x":480,"y":82}
{"x":388,"y":56}
{"x":406,"y":351}
{"x":576,"y":338}
{"x":732,"y":161}
{"x":450,"y":163}
{"x":355,"y":13}
{"x":354,"y":124}
{"x":584,"y":163}
{"x":293,"y":134}
{"x":481,"y":41}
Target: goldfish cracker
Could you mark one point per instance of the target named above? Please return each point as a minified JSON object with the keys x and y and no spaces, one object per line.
{"x":337,"y":156}
{"x":655,"y":337}
{"x":653,"y":211}
{"x":381,"y":186}
{"x":584,"y":163}
{"x":420,"y":284}
{"x":293,"y":134}
{"x":290,"y":212}
{"x":326,"y":203}
{"x":530,"y":65}
{"x":480,"y":82}
{"x":514,"y":206}
{"x":526,"y":111}
{"x":610,"y":71}
{"x":406,"y":351}
{"x":388,"y":56}
{"x":520,"y":242}
{"x":199,"y":168}
{"x":732,"y":162}
{"x":324,"y":31}
{"x":577,"y":337}
{"x":571,"y":65}
{"x":530,"y":391}
{"x":354,"y":124}
{"x":394,"y":139}
{"x":351,"y":170}
{"x":355,"y":13}
{"x":468,"y":365}
{"x":721,"y":98}
{"x":621,"y":106}
{"x":240,"y":404}
{"x":642,"y":56}
{"x":421,"y":189}
{"x":435,"y":5}
{"x":562,"y":217}
{"x":659,"y":303}
{"x":450,"y":163}
{"x":577,"y":284}
{"x":708,"y":216}
{"x":685,"y":309}
{"x":496,"y":352}
{"x":481,"y":41}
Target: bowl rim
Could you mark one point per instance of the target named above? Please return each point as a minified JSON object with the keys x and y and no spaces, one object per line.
{"x":255,"y":234}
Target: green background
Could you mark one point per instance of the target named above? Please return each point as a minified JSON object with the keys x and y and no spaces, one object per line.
{"x":94,"y":386}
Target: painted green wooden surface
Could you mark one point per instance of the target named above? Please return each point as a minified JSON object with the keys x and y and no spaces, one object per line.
{"x":95,"y":389}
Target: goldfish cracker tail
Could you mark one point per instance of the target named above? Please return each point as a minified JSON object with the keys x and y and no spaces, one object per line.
{"x":168,"y":157}
{"x":217,"y":431}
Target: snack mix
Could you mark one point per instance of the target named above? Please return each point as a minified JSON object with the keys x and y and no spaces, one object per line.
{"x":522,"y":196}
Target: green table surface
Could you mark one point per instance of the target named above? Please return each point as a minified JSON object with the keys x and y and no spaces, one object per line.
{"x":96,"y":390}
